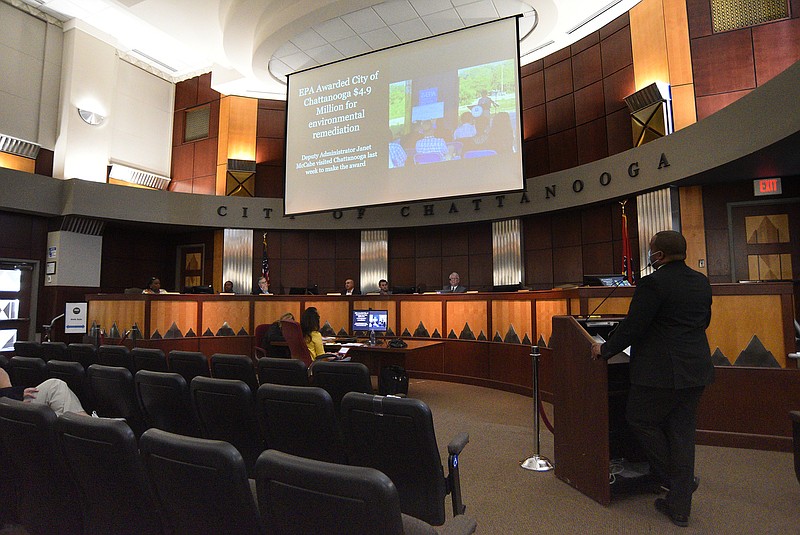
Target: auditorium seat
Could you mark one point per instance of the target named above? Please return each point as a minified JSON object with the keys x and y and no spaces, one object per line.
{"x":300,"y":420}
{"x":292,"y":372}
{"x":189,"y":364}
{"x":86,"y":354}
{"x":164,"y":400}
{"x":301,"y":496}
{"x":339,"y":378}
{"x":227,"y":366}
{"x":47,"y":498}
{"x":27,"y":371}
{"x":396,"y":436}
{"x":225,"y":409}
{"x":27,"y":348}
{"x":201,"y":484}
{"x":74,"y":375}
{"x":114,"y":396}
{"x":112,"y":355}
{"x":103,"y":460}
{"x":54,"y":351}
{"x":149,"y":359}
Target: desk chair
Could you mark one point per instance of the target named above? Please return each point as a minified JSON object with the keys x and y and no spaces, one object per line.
{"x":299,"y":496}
{"x":294,"y":338}
{"x":300,"y":420}
{"x":47,"y":499}
{"x":103,"y":460}
{"x":396,"y":436}
{"x":201,"y":485}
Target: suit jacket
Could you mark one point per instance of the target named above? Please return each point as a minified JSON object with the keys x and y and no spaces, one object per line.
{"x":356,"y":291}
{"x":459,"y":290}
{"x":666,"y":329}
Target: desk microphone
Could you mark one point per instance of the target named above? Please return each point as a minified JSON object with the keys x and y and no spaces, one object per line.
{"x":616,"y":285}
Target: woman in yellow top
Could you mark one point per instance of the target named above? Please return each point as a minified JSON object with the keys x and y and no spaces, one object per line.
{"x":309,"y":324}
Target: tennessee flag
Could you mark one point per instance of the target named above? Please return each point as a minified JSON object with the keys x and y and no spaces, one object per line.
{"x":627,"y":269}
{"x":264,"y":259}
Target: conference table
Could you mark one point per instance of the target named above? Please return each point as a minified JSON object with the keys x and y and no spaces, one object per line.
{"x":381,"y":354}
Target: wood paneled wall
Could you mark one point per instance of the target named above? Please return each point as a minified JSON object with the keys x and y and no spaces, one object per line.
{"x":728,"y":65}
{"x":194,"y":164}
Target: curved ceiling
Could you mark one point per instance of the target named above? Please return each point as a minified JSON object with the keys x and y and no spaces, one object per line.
{"x":250,"y":45}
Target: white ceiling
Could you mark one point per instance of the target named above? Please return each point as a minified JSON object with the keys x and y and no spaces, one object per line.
{"x":250,"y":45}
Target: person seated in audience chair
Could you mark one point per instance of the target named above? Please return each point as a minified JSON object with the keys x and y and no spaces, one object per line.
{"x":53,"y":392}
{"x":274,"y":334}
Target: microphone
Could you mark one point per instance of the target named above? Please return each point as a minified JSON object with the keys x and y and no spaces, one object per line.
{"x":616,"y":285}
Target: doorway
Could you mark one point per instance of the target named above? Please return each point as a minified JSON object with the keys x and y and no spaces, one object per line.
{"x":17,"y":302}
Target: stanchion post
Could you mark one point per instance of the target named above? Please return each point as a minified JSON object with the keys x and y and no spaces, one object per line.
{"x":537,"y":463}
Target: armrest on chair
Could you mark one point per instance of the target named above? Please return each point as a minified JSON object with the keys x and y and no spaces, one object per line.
{"x":455,"y":448}
{"x":260,"y":352}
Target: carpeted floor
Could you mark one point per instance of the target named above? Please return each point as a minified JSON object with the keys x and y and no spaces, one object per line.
{"x":741,"y":491}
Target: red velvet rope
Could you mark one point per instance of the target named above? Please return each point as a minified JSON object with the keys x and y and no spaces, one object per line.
{"x":547,"y":423}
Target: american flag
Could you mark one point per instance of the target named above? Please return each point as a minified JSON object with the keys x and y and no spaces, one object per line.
{"x":264,"y":259}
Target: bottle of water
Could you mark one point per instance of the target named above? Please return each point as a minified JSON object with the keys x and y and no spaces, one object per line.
{"x":372,"y":341}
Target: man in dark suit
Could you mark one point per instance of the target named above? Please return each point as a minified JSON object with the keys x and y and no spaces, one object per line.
{"x":350,"y":288}
{"x":455,"y":285}
{"x":669,"y":368}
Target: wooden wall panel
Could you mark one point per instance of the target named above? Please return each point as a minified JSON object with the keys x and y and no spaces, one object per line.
{"x":731,"y":329}
{"x":699,"y":15}
{"x":684,"y":109}
{"x":534,"y":122}
{"x":678,"y":47}
{"x":235,"y":313}
{"x":463,"y":313}
{"x":533,"y":90}
{"x":123,"y":313}
{"x":545,"y":310}
{"x":586,"y":66}
{"x":613,"y":306}
{"x":591,"y":140}
{"x":775,"y":47}
{"x":616,"y":87}
{"x":590,"y":104}
{"x":616,"y":52}
{"x":558,"y":80}
{"x":619,"y":132}
{"x":268,"y":310}
{"x":205,"y":158}
{"x":402,"y":272}
{"x":723,"y":63}
{"x":516,"y":314}
{"x":335,"y":312}
{"x":649,"y":43}
{"x":539,"y":269}
{"x":469,"y":359}
{"x":563,"y":150}
{"x":186,"y":93}
{"x":561,"y":114}
{"x":693,"y":226}
{"x":596,"y":224}
{"x":711,"y":104}
{"x":164,"y":313}
{"x":537,"y":232}
{"x":429,"y":313}
{"x":570,"y":265}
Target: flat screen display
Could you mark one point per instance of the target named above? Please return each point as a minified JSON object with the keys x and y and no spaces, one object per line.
{"x":370,"y":320}
{"x":431,"y":119}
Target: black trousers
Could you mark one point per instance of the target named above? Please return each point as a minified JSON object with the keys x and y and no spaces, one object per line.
{"x":664,"y":420}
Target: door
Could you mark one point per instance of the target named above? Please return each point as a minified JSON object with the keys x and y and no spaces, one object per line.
{"x":190,"y":266}
{"x":16,"y":303}
{"x":766,"y":241}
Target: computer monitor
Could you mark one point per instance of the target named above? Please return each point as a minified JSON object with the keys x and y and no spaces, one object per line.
{"x":400,"y":290}
{"x":200,"y":289}
{"x":370,"y":320}
{"x":605,"y":280}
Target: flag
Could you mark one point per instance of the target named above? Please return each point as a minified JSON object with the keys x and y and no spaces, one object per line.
{"x":627,"y":268}
{"x":264,"y":260}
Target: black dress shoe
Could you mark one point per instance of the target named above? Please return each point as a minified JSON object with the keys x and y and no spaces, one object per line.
{"x":695,"y":485}
{"x":679,"y":520}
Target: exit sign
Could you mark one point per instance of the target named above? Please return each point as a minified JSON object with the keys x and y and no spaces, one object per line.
{"x":767,"y":186}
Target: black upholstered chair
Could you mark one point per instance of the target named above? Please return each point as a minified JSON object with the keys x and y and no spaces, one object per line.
{"x":111,"y":355}
{"x":103,"y":461}
{"x":300,"y":420}
{"x":225,"y":410}
{"x":86,"y":354}
{"x":113,"y":394}
{"x":282,"y":371}
{"x":27,"y":371}
{"x":164,"y":400}
{"x":74,"y":375}
{"x":54,"y":351}
{"x":189,"y":364}
{"x":47,"y":498}
{"x":227,"y":366}
{"x":145,"y":358}
{"x":396,"y":436}
{"x":795,"y":416}
{"x":300,"y":496}
{"x":28,"y":348}
{"x":339,"y":378}
{"x":201,"y":484}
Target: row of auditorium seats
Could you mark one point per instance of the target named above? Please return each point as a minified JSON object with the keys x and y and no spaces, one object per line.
{"x":78,"y":475}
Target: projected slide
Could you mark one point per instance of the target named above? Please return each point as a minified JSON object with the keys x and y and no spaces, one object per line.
{"x":432,"y":119}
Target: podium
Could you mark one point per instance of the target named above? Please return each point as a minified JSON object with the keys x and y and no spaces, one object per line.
{"x":588,"y":410}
